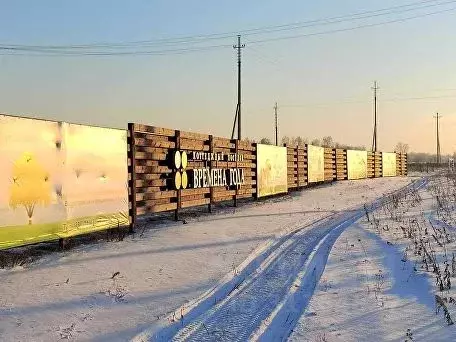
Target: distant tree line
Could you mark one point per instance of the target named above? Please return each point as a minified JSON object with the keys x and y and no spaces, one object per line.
{"x":299,"y":141}
{"x":419,"y":157}
{"x":327,"y":141}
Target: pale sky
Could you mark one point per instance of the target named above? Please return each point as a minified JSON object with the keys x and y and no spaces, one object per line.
{"x":322,"y":83}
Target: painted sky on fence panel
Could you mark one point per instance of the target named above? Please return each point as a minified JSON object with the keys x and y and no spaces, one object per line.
{"x":322,"y":83}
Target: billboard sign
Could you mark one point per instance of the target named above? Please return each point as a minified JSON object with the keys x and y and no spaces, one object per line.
{"x":316,"y":163}
{"x":356,"y":164}
{"x":388,"y":164}
{"x":59,"y":180}
{"x":271,"y":170}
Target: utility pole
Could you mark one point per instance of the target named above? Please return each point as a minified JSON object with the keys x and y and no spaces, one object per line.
{"x":374,"y":138}
{"x":437,"y":117}
{"x":276,"y":126}
{"x":237,"y":118}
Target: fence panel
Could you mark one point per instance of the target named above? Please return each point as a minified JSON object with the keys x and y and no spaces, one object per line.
{"x":171,"y":169}
{"x":59,"y":180}
{"x":341,"y":164}
{"x":297,"y":167}
{"x":330,"y":164}
{"x":370,"y":164}
{"x":272,"y":170}
{"x":401,"y":164}
{"x":378,"y":164}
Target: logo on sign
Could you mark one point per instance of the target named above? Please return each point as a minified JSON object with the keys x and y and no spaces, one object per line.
{"x":180,"y":164}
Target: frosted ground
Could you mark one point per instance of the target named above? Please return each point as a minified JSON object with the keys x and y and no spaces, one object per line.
{"x":163,"y":273}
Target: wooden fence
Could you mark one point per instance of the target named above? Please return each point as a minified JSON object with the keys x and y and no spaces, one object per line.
{"x":152,"y":187}
{"x":374,"y":164}
{"x":297,"y":167}
{"x":157,"y":183}
{"x":341,"y":164}
{"x":401,"y":164}
{"x":170,"y":170}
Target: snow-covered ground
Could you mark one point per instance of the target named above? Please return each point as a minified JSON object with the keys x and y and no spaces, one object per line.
{"x":372,"y":291}
{"x":71,"y":294}
{"x":266,"y":296}
{"x":367,"y":293}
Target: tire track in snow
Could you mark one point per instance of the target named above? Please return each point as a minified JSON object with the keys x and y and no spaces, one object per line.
{"x":244,"y":310}
{"x":266,"y":299}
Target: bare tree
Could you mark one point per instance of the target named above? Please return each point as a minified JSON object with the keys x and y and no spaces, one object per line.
{"x":286,"y":140}
{"x":315,"y":142}
{"x":265,"y":141}
{"x":299,"y":141}
{"x":401,"y":147}
{"x":327,"y":141}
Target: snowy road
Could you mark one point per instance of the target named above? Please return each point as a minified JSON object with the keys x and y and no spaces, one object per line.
{"x":265,"y":302}
{"x":239,"y":315}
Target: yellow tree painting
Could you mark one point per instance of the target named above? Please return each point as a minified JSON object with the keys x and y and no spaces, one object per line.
{"x":30,"y":185}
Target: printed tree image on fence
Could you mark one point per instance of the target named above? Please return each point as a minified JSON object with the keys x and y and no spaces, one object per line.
{"x":271,"y":170}
{"x":30,"y":185}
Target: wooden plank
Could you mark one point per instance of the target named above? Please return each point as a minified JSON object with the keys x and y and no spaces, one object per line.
{"x":247,"y":148}
{"x":145,"y":162}
{"x":224,"y":192}
{"x":145,"y":183}
{"x":223,"y":143}
{"x":154,"y":130}
{"x":225,"y":198}
{"x":195,"y":203}
{"x":194,"y":145}
{"x":148,"y":176}
{"x":156,"y":208}
{"x":153,"y":141}
{"x":159,"y":201}
{"x":194,"y":198}
{"x":199,"y":191}
{"x":149,"y":149}
{"x":151,"y":156}
{"x":156,"y":194}
{"x":192,"y":135}
{"x":245,"y":196}
{"x":250,"y":190}
{"x":153,"y":169}
{"x":224,"y":150}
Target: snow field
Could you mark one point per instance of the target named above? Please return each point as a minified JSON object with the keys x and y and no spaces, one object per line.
{"x":71,"y":294}
{"x":264,"y":306}
{"x":375,"y":287}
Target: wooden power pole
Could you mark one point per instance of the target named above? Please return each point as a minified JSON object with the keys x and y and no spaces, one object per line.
{"x":237,"y":118}
{"x":437,"y":117}
{"x":276,"y":126}
{"x":374,"y":137}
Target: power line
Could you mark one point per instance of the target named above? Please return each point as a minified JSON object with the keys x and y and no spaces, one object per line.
{"x":342,"y":19}
{"x":351,"y":28}
{"x":354,"y":101}
{"x":74,"y":50}
{"x":253,"y":31}
{"x":33,"y":52}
